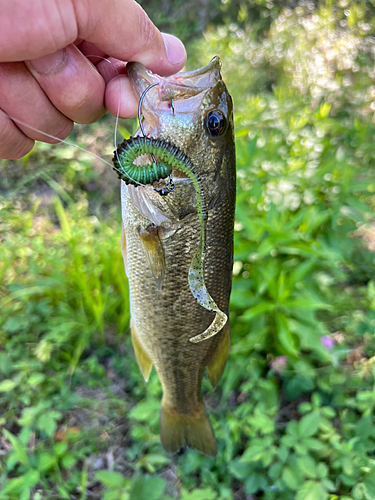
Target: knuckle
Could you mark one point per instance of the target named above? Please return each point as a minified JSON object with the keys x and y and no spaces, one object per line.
{"x":64,"y":129}
{"x":13,"y":144}
{"x":21,"y":150}
{"x":77,"y":102}
{"x":93,"y":116}
{"x":58,"y":130}
{"x":85,"y":106}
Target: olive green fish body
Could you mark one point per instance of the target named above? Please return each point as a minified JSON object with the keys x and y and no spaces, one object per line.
{"x":161,"y":236}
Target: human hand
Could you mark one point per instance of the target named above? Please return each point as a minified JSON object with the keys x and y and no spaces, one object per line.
{"x":48,"y":77}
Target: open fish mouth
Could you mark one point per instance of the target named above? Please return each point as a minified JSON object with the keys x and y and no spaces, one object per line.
{"x":180,"y":94}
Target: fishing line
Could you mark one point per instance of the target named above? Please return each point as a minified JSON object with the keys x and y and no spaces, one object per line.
{"x":55,"y":138}
{"x":20,"y":122}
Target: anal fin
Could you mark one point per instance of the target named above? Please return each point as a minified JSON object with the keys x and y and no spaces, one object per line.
{"x":143,"y":359}
{"x":215,"y":367}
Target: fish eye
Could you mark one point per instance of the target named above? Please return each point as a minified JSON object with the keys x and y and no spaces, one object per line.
{"x":215,"y":122}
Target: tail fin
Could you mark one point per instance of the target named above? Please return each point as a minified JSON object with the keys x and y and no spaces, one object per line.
{"x":194,"y":430}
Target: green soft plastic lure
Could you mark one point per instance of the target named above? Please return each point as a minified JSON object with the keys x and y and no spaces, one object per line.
{"x":131,"y":162}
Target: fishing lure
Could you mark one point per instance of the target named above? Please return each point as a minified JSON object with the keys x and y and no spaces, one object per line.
{"x":133,"y":150}
{"x":133,"y":167}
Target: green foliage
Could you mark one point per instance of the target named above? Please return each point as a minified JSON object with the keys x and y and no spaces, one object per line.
{"x":294,"y":413}
{"x":140,"y":488}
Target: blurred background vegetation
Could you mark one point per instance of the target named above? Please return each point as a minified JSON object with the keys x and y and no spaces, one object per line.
{"x":294,"y":412}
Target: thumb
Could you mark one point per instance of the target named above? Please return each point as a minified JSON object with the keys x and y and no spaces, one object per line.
{"x":122,"y":29}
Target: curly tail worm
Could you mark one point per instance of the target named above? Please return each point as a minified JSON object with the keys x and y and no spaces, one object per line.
{"x":170,"y":156}
{"x":133,"y":149}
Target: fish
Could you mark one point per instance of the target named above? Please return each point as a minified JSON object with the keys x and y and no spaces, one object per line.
{"x":193,"y":113}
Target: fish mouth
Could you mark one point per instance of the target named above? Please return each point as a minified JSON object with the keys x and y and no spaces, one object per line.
{"x":180,"y":93}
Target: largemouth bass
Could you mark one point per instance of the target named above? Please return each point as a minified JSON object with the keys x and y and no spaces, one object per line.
{"x":192,"y":111}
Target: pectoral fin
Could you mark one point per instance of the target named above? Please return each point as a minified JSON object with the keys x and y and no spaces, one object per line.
{"x":144,"y":361}
{"x":154,"y":251}
{"x":215,"y":368}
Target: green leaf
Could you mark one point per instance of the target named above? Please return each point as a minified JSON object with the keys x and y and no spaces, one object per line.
{"x":146,"y":411}
{"x":307,"y":466}
{"x":292,"y":429}
{"x":291,"y":478}
{"x":313,"y":444}
{"x":63,"y":492}
{"x":240,"y":469}
{"x":28,"y":415}
{"x":261,"y":308}
{"x":69,"y":460}
{"x":25,"y":495}
{"x":312,"y":491}
{"x":347,"y":465}
{"x":322,"y":470}
{"x":309,"y":424}
{"x":36,"y":379}
{"x":285,"y":336}
{"x":20,"y":484}
{"x":46,"y":461}
{"x":199,"y":494}
{"x":265,"y":247}
{"x":258,"y":450}
{"x":360,"y":492}
{"x":300,"y":448}
{"x":20,"y":451}
{"x":147,"y":488}
{"x":114,"y":495}
{"x":31,"y":478}
{"x":324,"y":109}
{"x":7,"y":385}
{"x":255,"y":483}
{"x":303,"y":303}
{"x":15,"y":485}
{"x":283,"y":453}
{"x":110,"y":478}
{"x":298,"y":385}
{"x":47,"y":422}
{"x":60,"y":448}
{"x":275,"y":470}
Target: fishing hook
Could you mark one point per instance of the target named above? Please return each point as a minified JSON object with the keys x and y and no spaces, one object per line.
{"x":169,"y":186}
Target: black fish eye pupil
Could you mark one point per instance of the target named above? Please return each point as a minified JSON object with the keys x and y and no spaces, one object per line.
{"x":215,"y":122}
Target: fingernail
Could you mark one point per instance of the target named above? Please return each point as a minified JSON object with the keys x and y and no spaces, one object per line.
{"x":49,"y":64}
{"x":174,"y":48}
